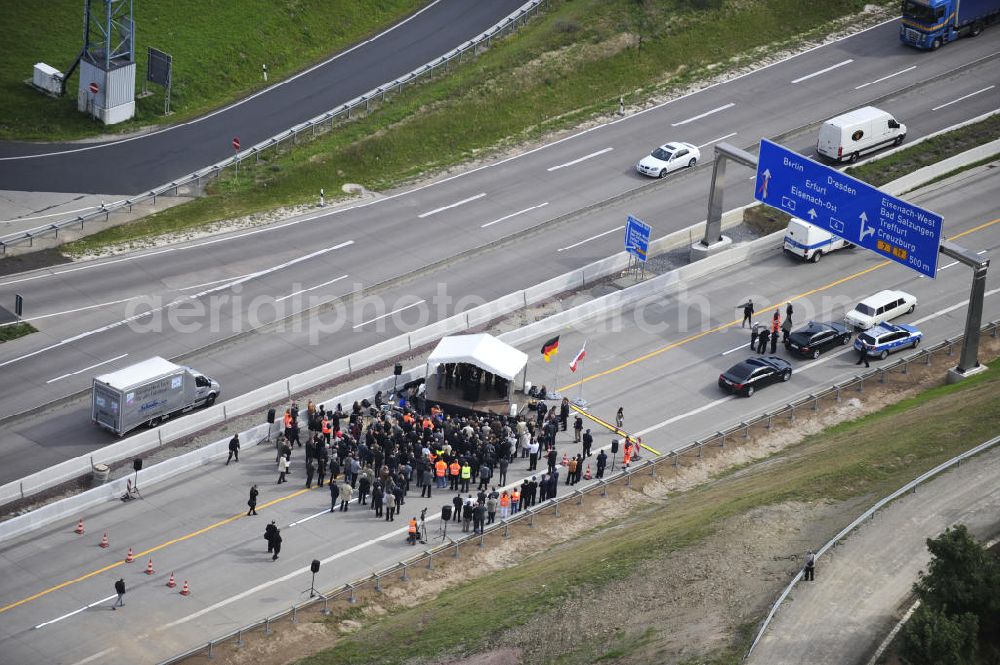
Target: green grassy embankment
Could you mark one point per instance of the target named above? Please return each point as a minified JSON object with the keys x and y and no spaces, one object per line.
{"x":218,"y":50}
{"x":565,"y":67}
{"x":862,"y":460}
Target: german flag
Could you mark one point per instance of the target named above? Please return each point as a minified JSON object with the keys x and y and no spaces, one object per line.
{"x":550,"y":348}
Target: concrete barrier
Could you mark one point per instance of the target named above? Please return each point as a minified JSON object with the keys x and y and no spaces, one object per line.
{"x":928,"y":173}
{"x":401,"y":344}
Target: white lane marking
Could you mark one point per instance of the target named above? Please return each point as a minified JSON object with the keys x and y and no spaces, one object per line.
{"x":396,"y":533}
{"x":214,"y":281}
{"x":463,"y":174}
{"x":721,"y":138}
{"x":453,"y":205}
{"x":971,"y":94}
{"x":82,"y":609}
{"x":194,"y":296}
{"x":824,"y":359}
{"x":70,"y":311}
{"x":272,"y":88}
{"x":948,"y":265}
{"x":80,"y":371}
{"x":823,"y":71}
{"x":703,"y":115}
{"x":268,"y":271}
{"x":599,"y":235}
{"x":669,"y":421}
{"x":56,"y":214}
{"x":513,"y":214}
{"x":167,"y":250}
{"x":306,"y":519}
{"x":947,"y":310}
{"x":96,"y":656}
{"x":741,"y":346}
{"x":395,"y":311}
{"x":885,"y":78}
{"x":579,"y":159}
{"x":311,"y":288}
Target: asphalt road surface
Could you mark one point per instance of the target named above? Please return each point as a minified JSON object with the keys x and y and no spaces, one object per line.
{"x":139,"y":163}
{"x":842,"y":617}
{"x":197,"y":295}
{"x":659,"y":360}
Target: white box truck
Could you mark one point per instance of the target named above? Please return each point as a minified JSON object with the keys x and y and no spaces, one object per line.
{"x":809,"y":242}
{"x":853,"y":134}
{"x":147,"y":393}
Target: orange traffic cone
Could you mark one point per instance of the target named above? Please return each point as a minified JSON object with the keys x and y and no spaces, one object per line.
{"x":185,"y":590}
{"x":128,"y":557}
{"x":170,"y":582}
{"x":586,"y":475}
{"x":79,"y":527}
{"x":104,"y":540}
{"x":149,"y":568}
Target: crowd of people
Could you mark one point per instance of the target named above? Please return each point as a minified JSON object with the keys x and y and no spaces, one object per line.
{"x":380,"y":453}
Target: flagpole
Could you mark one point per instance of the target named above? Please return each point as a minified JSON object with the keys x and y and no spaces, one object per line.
{"x":580,"y":402}
{"x":555,"y":385}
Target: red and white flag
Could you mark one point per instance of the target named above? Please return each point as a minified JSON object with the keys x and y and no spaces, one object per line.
{"x":580,"y":356}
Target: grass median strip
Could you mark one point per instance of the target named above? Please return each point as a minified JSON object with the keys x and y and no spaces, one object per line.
{"x":930,"y":151}
{"x":565,"y":67}
{"x":854,"y":462}
{"x":15,"y":330}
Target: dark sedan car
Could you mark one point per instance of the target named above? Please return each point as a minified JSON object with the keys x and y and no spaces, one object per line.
{"x":814,"y":338}
{"x":754,"y":373}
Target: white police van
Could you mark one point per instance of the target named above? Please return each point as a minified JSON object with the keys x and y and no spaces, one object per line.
{"x":809,"y":242}
{"x":886,"y":338}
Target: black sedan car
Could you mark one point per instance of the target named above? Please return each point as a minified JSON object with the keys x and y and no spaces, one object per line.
{"x":814,"y":338}
{"x":754,"y":373}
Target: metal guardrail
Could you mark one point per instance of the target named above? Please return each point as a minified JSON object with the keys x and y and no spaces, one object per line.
{"x":868,"y":514}
{"x":343,"y":112}
{"x":742,"y":430}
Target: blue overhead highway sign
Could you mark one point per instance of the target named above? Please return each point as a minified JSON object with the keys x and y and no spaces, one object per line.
{"x":848,"y":208}
{"x":637,"y":238}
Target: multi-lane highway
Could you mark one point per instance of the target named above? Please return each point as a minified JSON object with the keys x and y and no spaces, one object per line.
{"x":139,"y":163}
{"x":204,"y":292}
{"x":660,"y":360}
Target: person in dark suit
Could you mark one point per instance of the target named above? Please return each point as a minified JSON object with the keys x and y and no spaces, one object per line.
{"x":253,"y":501}
{"x":762,"y":339}
{"x":747,"y":312}
{"x":120,"y":590}
{"x":863,"y":357}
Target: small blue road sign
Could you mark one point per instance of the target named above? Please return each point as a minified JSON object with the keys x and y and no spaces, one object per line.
{"x":848,"y":208}
{"x":637,"y":238}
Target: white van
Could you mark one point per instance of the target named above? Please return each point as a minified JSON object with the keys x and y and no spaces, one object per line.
{"x":853,"y":134}
{"x":809,"y":242}
{"x":879,"y":308}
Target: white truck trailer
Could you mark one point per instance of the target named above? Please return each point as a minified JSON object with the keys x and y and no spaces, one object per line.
{"x":147,"y":393}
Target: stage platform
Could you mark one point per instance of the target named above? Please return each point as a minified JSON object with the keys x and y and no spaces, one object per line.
{"x":454,"y":400}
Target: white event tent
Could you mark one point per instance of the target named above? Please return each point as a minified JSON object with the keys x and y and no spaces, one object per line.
{"x":482,"y":350}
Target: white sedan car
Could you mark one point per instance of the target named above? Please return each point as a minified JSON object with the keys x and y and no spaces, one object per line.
{"x":668,"y":157}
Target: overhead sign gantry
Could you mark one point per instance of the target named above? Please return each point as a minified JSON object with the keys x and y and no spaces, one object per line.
{"x":848,"y":208}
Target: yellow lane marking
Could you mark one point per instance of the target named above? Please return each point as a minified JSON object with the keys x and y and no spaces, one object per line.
{"x":586,"y":379}
{"x":674,"y":345}
{"x":619,"y":432}
{"x":139,"y":555}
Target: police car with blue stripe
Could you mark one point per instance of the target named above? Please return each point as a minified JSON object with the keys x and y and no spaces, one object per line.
{"x":809,"y":242}
{"x":886,"y":338}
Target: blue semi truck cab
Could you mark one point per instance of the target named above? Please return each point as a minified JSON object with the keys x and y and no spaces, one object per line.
{"x":928,"y":24}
